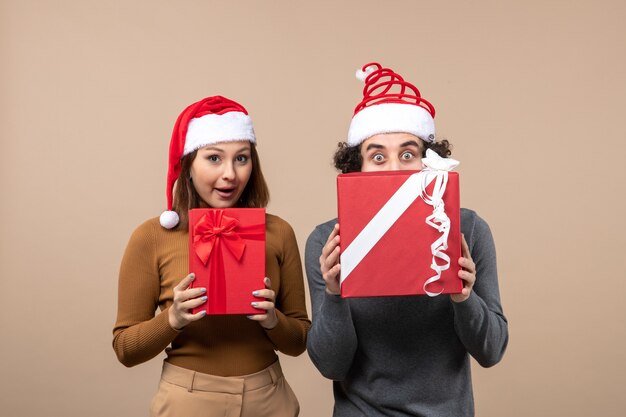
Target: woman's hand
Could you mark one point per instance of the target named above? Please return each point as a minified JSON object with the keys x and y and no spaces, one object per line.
{"x":467,"y":273}
{"x":268,"y":319}
{"x":329,"y":262}
{"x":185,"y":299}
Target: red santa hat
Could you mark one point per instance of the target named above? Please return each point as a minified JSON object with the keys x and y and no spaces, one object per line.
{"x":208,"y":121}
{"x":390,"y":105}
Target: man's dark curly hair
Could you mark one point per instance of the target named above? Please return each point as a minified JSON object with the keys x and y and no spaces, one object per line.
{"x":348,"y":158}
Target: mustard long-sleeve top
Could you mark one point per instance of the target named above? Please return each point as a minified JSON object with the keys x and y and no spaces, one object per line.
{"x":156,"y":260}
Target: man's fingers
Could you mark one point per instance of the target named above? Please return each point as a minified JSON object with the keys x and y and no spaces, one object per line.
{"x":332,"y":276}
{"x":468,"y":277}
{"x":467,"y":264}
{"x":465,"y":248}
{"x":329,"y":248}
{"x":334,"y":233}
{"x":333,"y":258}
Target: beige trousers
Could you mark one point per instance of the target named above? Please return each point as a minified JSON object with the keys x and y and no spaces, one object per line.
{"x":186,"y":393}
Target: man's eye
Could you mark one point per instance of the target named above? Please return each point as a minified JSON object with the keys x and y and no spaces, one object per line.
{"x":378,"y":158}
{"x":407,"y":156}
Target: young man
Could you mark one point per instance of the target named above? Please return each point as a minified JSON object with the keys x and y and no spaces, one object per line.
{"x":406,"y":355}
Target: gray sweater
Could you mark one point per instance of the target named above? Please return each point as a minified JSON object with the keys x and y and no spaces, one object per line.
{"x":406,"y":356}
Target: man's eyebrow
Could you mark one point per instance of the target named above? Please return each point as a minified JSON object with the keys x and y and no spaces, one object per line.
{"x":409,"y":143}
{"x":375,"y":146}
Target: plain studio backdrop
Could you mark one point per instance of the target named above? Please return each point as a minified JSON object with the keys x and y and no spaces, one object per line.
{"x":531,"y":94}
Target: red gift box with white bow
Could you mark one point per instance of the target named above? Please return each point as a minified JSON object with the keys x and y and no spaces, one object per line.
{"x":400,"y":233}
{"x":227,"y":254}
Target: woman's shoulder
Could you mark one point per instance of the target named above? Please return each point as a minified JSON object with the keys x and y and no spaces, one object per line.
{"x":147,"y":227}
{"x":152,"y":229}
{"x":272,"y":220}
{"x":276,"y":224}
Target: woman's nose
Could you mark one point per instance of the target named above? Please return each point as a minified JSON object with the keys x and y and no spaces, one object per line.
{"x":229,"y":172}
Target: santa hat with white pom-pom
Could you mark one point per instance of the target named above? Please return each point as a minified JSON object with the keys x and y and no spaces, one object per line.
{"x":390,"y":105}
{"x":208,"y":121}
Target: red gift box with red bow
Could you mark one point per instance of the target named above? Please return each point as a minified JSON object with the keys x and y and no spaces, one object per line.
{"x":400,"y":233}
{"x":227,"y":254}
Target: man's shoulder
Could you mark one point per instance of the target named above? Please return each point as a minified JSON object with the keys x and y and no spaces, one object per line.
{"x":322,"y":231}
{"x":472,"y":223}
{"x":327,"y":226}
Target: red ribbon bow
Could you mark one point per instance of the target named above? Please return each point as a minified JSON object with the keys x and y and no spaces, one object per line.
{"x":212,"y":228}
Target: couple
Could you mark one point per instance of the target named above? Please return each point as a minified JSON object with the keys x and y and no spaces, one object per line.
{"x":399,"y":356}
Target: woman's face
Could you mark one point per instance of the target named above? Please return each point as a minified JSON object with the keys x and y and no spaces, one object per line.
{"x":392,"y":152}
{"x":221,"y":171}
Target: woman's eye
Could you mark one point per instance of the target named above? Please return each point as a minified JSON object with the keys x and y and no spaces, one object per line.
{"x":242,"y":159}
{"x":378,"y":157}
{"x":407,"y":156}
{"x":213,"y":158}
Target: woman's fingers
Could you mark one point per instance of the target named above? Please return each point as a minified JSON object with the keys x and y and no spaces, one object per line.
{"x":192,"y":303}
{"x":263,"y":305}
{"x":185,"y":299}
{"x":189,"y":294}
{"x":258,"y":317}
{"x":185,"y":282}
{"x":266,"y":293}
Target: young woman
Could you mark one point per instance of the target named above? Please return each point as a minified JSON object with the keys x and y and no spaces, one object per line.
{"x":218,"y":365}
{"x":401,"y":356}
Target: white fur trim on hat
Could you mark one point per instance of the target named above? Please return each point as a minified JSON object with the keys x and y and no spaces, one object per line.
{"x":214,"y":128}
{"x":391,"y":118}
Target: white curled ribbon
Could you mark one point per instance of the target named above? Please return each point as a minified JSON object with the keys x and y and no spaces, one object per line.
{"x":415,"y":186}
{"x":439,"y":220}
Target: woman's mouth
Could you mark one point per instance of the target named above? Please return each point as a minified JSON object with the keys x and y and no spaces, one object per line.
{"x":225,"y":193}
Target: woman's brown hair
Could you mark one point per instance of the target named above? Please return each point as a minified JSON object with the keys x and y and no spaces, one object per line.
{"x":348,"y":158}
{"x":255,"y":195}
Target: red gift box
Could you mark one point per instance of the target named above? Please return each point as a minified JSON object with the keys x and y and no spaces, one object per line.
{"x":227,"y":254}
{"x":400,"y":233}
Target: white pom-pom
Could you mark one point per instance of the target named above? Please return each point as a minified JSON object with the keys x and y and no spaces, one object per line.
{"x":362,"y":75}
{"x":169,"y":219}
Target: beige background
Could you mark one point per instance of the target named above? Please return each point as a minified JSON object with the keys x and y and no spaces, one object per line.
{"x":530,"y":92}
